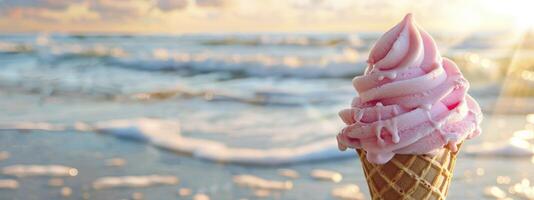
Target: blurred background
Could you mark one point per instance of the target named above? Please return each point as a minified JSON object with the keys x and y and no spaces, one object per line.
{"x":237,"y":99}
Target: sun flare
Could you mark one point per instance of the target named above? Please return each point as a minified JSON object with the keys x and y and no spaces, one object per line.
{"x":520,"y":10}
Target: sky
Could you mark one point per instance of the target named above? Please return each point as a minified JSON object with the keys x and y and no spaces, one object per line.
{"x":220,"y":16}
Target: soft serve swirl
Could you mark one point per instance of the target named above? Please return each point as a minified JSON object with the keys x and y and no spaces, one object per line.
{"x":411,"y":100}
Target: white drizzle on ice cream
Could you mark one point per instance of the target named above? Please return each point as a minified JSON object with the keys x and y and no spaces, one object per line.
{"x":412,"y":93}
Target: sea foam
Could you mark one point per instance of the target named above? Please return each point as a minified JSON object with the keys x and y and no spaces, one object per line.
{"x":165,"y":134}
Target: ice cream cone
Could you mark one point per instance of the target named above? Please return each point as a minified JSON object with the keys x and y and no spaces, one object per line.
{"x":410,"y":176}
{"x":411,"y":111}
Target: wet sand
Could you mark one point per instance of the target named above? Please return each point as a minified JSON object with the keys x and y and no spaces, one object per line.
{"x":78,"y":166}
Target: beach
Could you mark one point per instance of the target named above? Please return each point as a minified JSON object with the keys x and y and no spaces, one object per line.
{"x":230,"y":116}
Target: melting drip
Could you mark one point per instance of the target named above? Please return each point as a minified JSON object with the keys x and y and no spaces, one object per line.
{"x":392,"y":126}
{"x":452,"y":146}
{"x":435,"y":124}
{"x":451,"y":140}
{"x":340,"y":145}
{"x":370,"y":68}
{"x":358,"y":116}
{"x":390,"y":75}
{"x":379,"y":125}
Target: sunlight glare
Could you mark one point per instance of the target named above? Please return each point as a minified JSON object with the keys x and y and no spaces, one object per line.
{"x":521,"y":10}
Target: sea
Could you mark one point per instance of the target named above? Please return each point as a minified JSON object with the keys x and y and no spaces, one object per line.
{"x":231,"y":116}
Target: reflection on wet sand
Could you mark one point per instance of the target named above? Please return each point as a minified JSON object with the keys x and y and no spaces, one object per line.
{"x":39,"y":170}
{"x":183,"y":192}
{"x":115,"y":162}
{"x":4,"y":155}
{"x":326,"y":175}
{"x":66,"y":191}
{"x":255,"y":182}
{"x":289,"y":173}
{"x":201,"y":196}
{"x":9,"y":184}
{"x":133,"y":181}
{"x":55,"y":182}
{"x":522,"y":190}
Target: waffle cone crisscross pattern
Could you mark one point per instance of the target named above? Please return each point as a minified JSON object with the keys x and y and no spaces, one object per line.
{"x":411,"y":177}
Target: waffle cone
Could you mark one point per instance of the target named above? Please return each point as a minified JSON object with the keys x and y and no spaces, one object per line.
{"x":410,"y":176}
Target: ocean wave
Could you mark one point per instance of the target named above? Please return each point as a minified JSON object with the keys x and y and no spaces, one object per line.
{"x":58,"y":53}
{"x":341,"y":63}
{"x":165,"y":134}
{"x":346,"y":63}
{"x":98,"y":36}
{"x":286,"y":40}
{"x":258,"y":98}
{"x":58,"y":88}
{"x":255,"y":97}
{"x":15,"y":48}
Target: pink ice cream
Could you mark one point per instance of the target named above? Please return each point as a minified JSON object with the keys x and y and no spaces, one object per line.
{"x":411,"y":100}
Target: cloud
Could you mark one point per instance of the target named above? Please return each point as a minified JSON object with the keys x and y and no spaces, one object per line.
{"x":42,"y":4}
{"x":72,"y":13}
{"x":244,"y":15}
{"x":114,"y":10}
{"x":51,"y":10}
{"x":212,"y":3}
{"x":170,"y":5}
